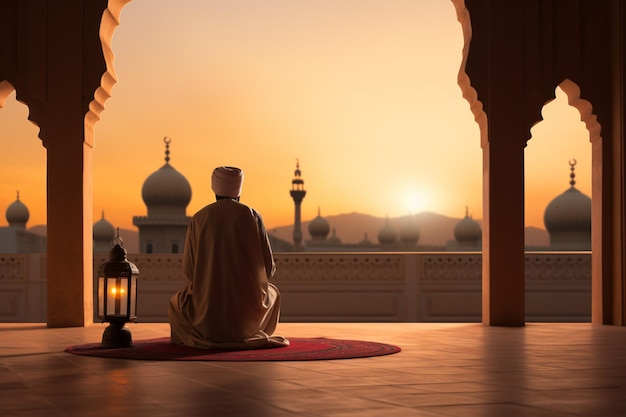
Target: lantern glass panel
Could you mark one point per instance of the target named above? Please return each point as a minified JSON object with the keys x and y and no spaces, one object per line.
{"x":100,"y":297}
{"x":117,"y":297}
{"x":133,"y":297}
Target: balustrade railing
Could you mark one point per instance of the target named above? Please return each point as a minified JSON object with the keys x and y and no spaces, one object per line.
{"x":359,"y":286}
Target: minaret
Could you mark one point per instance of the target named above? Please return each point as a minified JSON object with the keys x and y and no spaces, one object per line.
{"x":297,"y":193}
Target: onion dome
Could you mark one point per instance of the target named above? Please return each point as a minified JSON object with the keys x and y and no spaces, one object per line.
{"x":103,"y":230}
{"x":17,"y":213}
{"x":467,"y":230}
{"x":387,"y":235}
{"x":568,"y":216}
{"x":409,"y":234}
{"x":166,"y":187}
{"x":319,"y":227}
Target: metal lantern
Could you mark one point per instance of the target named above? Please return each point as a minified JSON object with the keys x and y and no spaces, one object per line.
{"x":117,"y":296}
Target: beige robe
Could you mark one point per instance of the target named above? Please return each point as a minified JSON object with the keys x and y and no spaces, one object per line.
{"x":228,"y":302}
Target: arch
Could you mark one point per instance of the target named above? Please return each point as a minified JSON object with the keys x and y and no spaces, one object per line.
{"x":6,"y":88}
{"x":530,"y":47}
{"x":559,"y":119}
{"x":584,"y":108}
{"x":469,"y":92}
{"x":572,"y":90}
{"x":109,"y":22}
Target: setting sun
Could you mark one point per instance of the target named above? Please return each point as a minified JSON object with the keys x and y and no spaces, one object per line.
{"x":415,"y":202}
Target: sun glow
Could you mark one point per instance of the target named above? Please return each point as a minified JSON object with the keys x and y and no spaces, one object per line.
{"x":415,"y":202}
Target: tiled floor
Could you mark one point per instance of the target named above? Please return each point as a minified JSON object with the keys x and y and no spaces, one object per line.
{"x":443,"y":370}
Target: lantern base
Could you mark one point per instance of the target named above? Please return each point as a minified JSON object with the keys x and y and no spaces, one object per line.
{"x":117,"y":335}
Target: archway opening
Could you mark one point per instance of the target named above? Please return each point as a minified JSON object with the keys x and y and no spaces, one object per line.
{"x":23,"y":162}
{"x":558,"y":167}
{"x":22,"y":213}
{"x":357,"y":92}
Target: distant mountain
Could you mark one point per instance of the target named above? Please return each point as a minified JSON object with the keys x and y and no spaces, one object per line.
{"x":435,"y":229}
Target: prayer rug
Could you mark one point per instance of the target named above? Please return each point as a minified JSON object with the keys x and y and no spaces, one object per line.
{"x":299,"y":349}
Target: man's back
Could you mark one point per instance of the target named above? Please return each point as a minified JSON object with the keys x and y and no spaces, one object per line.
{"x":227,"y":261}
{"x":226,"y":267}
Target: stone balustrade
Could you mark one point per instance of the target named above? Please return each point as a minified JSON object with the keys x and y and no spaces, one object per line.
{"x":341,"y":287}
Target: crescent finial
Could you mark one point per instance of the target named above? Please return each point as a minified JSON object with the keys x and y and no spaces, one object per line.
{"x":572,"y":175}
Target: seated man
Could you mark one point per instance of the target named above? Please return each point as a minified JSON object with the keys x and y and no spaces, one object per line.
{"x":228,"y":302}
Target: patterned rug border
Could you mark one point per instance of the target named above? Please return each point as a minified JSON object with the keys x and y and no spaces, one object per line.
{"x":300,"y":349}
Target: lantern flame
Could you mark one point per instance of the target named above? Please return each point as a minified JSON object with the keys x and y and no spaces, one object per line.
{"x":118,"y":292}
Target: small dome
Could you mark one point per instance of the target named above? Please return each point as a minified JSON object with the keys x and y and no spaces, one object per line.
{"x":334,"y":239}
{"x":103,"y":230}
{"x":409,"y":234}
{"x":17,"y":213}
{"x":467,"y":230}
{"x":365,"y":241}
{"x":387,"y":235}
{"x":319,"y":227}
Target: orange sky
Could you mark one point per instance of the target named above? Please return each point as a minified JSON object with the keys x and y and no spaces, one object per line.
{"x":363,"y":92}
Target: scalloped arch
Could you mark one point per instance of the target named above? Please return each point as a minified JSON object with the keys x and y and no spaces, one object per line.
{"x":584,"y":108}
{"x":110,"y":21}
{"x":469,"y":93}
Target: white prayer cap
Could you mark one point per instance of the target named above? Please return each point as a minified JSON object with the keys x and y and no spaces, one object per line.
{"x":227,"y":181}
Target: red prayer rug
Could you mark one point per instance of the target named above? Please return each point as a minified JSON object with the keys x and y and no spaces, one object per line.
{"x":299,"y":349}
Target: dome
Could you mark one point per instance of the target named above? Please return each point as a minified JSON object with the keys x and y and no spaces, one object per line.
{"x":103,"y":230}
{"x":17,"y":213}
{"x":387,"y":235}
{"x":319,"y":227}
{"x":568,"y":218}
{"x":568,"y":212}
{"x":467,"y":230}
{"x":166,"y":186}
{"x":409,"y":234}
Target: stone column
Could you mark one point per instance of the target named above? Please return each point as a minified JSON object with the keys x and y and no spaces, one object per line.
{"x":503,"y":274}
{"x":69,"y":257}
{"x":492,"y":79}
{"x":69,"y":172}
{"x":609,"y":170}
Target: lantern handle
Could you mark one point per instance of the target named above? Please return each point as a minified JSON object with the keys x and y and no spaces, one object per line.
{"x":117,"y":240}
